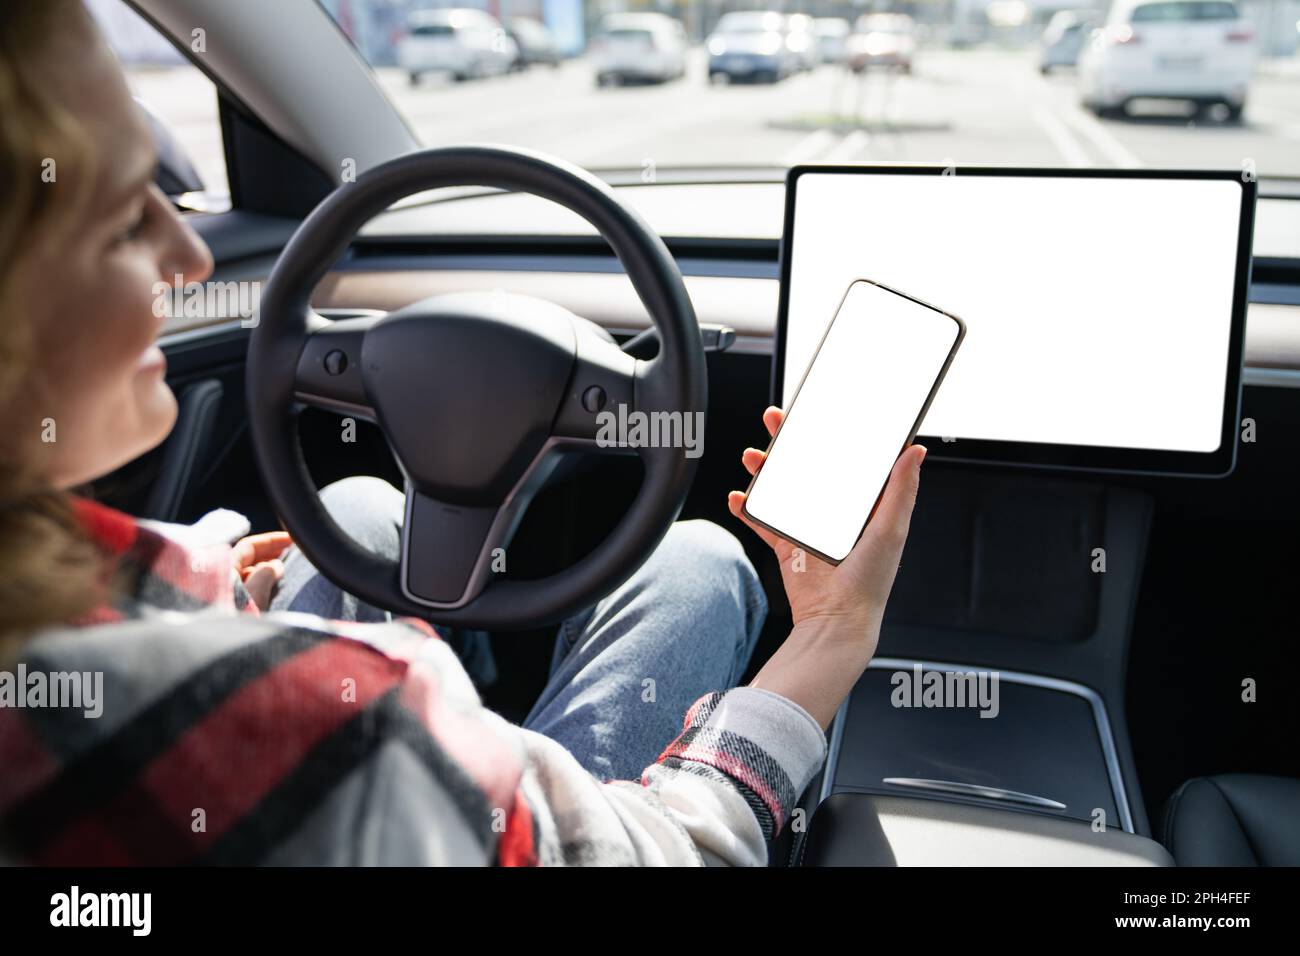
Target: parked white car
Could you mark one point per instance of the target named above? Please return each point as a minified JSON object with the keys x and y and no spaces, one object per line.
{"x":646,"y":47}
{"x":1202,"y":51}
{"x":466,"y":43}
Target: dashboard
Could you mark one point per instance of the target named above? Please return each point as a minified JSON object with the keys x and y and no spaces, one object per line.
{"x":725,"y":236}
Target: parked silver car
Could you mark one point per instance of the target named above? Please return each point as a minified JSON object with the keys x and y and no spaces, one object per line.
{"x":1065,"y":37}
{"x":645,"y":47}
{"x":751,"y":45}
{"x":464,"y":42}
{"x":535,"y":42}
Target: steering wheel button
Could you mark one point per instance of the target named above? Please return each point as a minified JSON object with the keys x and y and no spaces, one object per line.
{"x":593,"y":399}
{"x":336,"y":362}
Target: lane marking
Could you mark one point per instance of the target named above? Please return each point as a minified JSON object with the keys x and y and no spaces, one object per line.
{"x":808,"y":148}
{"x":849,"y":147}
{"x":1101,"y":138}
{"x":1060,"y":137}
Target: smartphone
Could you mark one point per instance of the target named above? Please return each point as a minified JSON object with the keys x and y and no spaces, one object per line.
{"x":859,"y":404}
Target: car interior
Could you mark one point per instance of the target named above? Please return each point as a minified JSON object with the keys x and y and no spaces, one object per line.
{"x":1146,"y":713}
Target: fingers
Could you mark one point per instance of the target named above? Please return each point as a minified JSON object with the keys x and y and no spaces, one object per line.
{"x":736,"y":504}
{"x":891,"y":518}
{"x":772,"y":419}
{"x":257,"y":548}
{"x":894,"y":514}
{"x":261,"y":581}
{"x":753,"y":460}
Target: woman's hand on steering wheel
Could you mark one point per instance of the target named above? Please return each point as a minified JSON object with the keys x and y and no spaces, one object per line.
{"x":257,"y":558}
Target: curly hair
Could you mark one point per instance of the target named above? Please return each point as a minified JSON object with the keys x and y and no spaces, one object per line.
{"x":49,"y":569}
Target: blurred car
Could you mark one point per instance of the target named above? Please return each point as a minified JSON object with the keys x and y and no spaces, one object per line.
{"x":1202,"y":51}
{"x":535,"y":43}
{"x":882,"y":40}
{"x":646,"y":47}
{"x":1065,"y":37}
{"x":801,"y":38}
{"x":464,"y":42}
{"x":831,"y":32}
{"x":751,"y":45}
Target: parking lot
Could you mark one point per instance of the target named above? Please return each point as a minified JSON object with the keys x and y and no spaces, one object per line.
{"x":962,"y":107}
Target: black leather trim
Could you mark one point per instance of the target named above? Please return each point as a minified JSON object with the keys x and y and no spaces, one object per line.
{"x":185,"y":449}
{"x":1234,"y":819}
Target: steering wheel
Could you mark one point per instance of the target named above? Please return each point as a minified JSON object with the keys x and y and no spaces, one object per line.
{"x":478,"y":395}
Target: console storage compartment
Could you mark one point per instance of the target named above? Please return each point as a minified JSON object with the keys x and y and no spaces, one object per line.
{"x":854,"y":829}
{"x":980,"y":737}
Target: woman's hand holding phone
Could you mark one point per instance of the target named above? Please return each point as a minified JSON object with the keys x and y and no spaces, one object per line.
{"x":837,"y":609}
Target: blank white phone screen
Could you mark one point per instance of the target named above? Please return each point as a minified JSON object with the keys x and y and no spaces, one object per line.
{"x":849,"y":420}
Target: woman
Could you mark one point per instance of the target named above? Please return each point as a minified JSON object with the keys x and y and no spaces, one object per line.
{"x":218,"y":721}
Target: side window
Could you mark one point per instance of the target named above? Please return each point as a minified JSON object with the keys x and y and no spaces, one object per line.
{"x":181,"y":102}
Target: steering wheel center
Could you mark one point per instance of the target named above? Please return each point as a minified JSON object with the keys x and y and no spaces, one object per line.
{"x":467,"y":386}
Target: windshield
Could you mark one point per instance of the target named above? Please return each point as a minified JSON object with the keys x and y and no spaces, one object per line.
{"x":1178,"y":84}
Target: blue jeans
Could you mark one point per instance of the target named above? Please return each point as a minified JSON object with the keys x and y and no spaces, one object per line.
{"x":622,"y":672}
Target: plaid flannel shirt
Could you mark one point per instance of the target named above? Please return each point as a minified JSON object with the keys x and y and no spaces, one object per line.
{"x":228,"y":736}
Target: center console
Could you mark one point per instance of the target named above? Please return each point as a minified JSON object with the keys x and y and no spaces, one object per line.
{"x":937,"y":764}
{"x":990,"y":727}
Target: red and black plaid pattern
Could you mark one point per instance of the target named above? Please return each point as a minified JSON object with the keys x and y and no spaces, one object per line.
{"x":231,"y":737}
{"x":708,"y":752}
{"x":225,"y":763}
{"x":147,"y":570}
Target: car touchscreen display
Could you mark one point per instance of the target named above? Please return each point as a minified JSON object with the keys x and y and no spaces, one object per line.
{"x":1104,"y":310}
